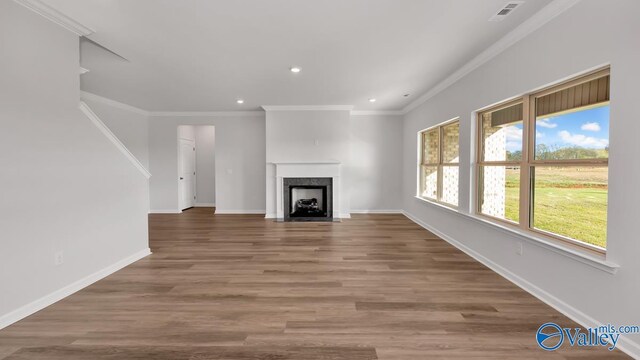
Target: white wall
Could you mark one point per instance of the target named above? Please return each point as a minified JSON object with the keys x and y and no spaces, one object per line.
{"x":565,"y":46}
{"x":205,"y":165}
{"x":369,"y":147}
{"x":239,"y":142}
{"x":65,"y":187}
{"x":239,"y":162}
{"x":130,"y":127}
{"x":375,"y":167}
{"x":307,"y":136}
{"x":187,"y":132}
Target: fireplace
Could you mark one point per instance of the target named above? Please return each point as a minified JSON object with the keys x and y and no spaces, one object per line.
{"x":308,"y":199}
{"x":321,"y":177}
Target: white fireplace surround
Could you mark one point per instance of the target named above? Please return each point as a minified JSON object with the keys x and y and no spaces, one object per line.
{"x":308,"y":169}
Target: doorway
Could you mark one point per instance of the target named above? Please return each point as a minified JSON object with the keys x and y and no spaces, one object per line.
{"x":187,"y":173}
{"x":196,"y":166}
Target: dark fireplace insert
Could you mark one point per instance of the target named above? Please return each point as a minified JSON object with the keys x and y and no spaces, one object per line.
{"x":308,"y":199}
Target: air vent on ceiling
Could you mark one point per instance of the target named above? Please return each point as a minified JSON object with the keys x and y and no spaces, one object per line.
{"x":506,"y":10}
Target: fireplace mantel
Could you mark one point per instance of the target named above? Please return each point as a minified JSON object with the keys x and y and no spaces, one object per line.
{"x":310,"y":169}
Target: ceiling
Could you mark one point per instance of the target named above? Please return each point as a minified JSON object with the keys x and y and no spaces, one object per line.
{"x":203,"y":55}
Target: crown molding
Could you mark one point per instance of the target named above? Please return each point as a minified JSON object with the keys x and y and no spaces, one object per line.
{"x":97,"y":98}
{"x":530,"y":25}
{"x":101,"y":99}
{"x":257,"y":113}
{"x":55,"y":16}
{"x":377,"y":113}
{"x":308,"y":107}
{"x":208,"y":113}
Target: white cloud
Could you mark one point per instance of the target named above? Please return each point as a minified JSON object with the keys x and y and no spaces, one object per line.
{"x":513,"y":133}
{"x":592,"y":126}
{"x":539,"y":134}
{"x":582,"y":140}
{"x":513,"y":145}
{"x":546,"y":124}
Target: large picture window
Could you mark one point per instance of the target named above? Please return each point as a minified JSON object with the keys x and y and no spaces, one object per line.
{"x":543,"y":161}
{"x":439,"y":163}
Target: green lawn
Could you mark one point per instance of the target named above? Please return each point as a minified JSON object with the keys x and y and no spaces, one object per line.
{"x":572,"y":204}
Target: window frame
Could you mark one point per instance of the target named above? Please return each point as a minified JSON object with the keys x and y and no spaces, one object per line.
{"x":528,"y":161}
{"x":440,"y":164}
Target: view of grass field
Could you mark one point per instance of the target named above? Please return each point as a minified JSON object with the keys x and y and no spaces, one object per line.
{"x":567,"y":201}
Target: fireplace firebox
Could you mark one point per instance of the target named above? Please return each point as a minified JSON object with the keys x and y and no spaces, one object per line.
{"x":308,"y":199}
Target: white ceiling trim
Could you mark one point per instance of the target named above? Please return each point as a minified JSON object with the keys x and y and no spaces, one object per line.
{"x":101,"y":99}
{"x":208,"y":113}
{"x":97,"y":98}
{"x":536,"y":21}
{"x":55,"y":16}
{"x":308,"y":108}
{"x":377,"y":112}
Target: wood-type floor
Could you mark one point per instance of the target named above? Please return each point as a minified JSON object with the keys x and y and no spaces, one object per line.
{"x":242,"y":287}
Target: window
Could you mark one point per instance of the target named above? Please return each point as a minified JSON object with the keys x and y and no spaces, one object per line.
{"x":543,"y":161}
{"x":438,"y":167}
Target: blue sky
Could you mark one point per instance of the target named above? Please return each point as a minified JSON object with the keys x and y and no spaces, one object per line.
{"x":587,"y":129}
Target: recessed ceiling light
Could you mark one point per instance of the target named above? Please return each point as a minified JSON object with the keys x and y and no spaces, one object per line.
{"x":240,"y":101}
{"x":372,"y":100}
{"x":295,"y":69}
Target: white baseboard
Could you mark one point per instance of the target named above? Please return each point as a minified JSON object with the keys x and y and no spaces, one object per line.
{"x":270,"y":216}
{"x":37,"y":305}
{"x":345,"y":216}
{"x":205,"y":205}
{"x":376,"y":211}
{"x":165,"y":211}
{"x":624,"y":344}
{"x":238,"y":212}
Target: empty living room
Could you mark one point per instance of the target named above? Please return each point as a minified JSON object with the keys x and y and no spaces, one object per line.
{"x":319,"y":179}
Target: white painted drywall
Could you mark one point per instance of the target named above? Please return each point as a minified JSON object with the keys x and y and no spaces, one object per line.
{"x":187,"y":132}
{"x":307,"y":136}
{"x":369,"y":147}
{"x":375,"y":167}
{"x":565,"y":46}
{"x":205,"y":165}
{"x":239,"y":161}
{"x":200,"y":55}
{"x":65,"y":187}
{"x":131,"y":128}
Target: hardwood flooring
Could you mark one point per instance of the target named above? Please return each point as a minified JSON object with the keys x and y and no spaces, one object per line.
{"x":242,"y":287}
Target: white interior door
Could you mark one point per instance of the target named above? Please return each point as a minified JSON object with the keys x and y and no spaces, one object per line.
{"x":187,"y":173}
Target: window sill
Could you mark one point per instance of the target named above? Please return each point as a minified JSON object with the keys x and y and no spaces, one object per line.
{"x":595,"y":261}
{"x":437,"y":203}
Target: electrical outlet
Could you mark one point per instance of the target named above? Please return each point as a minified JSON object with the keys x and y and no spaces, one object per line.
{"x":58,"y":258}
{"x":317,"y":142}
{"x":520,"y":249}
